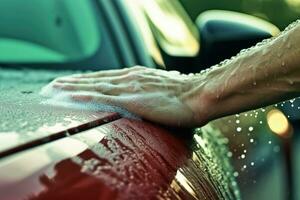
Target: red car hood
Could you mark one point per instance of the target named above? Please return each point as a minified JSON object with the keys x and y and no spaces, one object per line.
{"x":27,"y":122}
{"x":32,"y":125}
{"x":49,"y":152}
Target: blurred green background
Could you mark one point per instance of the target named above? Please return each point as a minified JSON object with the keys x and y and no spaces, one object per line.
{"x":279,"y":12}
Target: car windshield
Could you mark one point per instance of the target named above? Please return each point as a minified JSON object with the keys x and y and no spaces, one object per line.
{"x":176,"y":33}
{"x":50,"y":31}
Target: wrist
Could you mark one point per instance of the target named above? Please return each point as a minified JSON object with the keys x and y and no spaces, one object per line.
{"x":212,"y":94}
{"x":201,"y":99}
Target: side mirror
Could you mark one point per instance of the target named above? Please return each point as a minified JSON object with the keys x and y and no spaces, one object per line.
{"x":224,"y":33}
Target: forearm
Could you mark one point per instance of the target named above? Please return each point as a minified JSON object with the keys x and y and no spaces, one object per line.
{"x":262,"y":76}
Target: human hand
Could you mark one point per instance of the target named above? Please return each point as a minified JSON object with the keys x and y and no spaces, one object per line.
{"x":165,"y":97}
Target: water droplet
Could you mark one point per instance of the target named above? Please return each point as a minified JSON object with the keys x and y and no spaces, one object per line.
{"x":291,"y":82}
{"x":237,"y":192}
{"x":238,"y":129}
{"x":235,"y":174}
{"x":251,"y":140}
{"x":250,"y":128}
{"x":229,"y":154}
{"x":270,"y":142}
{"x":243,"y":156}
{"x":252,"y":163}
{"x":234,"y":183}
{"x":237,"y":121}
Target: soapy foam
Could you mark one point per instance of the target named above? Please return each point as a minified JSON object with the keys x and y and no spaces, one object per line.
{"x":57,"y":97}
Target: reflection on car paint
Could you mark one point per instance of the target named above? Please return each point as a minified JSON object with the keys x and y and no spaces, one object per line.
{"x":125,"y":159}
{"x":25,"y":120}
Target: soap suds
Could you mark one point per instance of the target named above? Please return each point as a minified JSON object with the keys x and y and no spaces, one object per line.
{"x":62,"y":98}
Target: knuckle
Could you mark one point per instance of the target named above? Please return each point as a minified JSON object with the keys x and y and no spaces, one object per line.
{"x":132,"y":75}
{"x":134,"y":86}
{"x":138,"y":67}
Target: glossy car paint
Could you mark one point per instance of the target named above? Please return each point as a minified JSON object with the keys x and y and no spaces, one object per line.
{"x":54,"y":152}
{"x":27,"y":121}
{"x":124,"y":159}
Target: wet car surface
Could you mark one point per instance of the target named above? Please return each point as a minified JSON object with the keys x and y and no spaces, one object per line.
{"x":64,"y":153}
{"x":25,"y":119}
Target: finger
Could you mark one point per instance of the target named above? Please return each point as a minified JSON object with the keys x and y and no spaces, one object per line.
{"x":130,"y":103}
{"x":108,"y":73}
{"x":123,"y":102}
{"x":98,"y":98}
{"x":84,"y":80}
{"x":103,"y":88}
{"x":123,"y":79}
{"x":72,"y":86}
{"x":114,"y":79}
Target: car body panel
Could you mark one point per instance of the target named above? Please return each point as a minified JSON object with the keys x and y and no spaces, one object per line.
{"x":125,"y":159}
{"x":47,"y":150}
{"x":65,"y":122}
{"x":26,"y":118}
{"x":98,"y":162}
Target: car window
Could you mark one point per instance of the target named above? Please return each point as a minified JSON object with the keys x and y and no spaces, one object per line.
{"x":49,"y":31}
{"x":173,"y":29}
